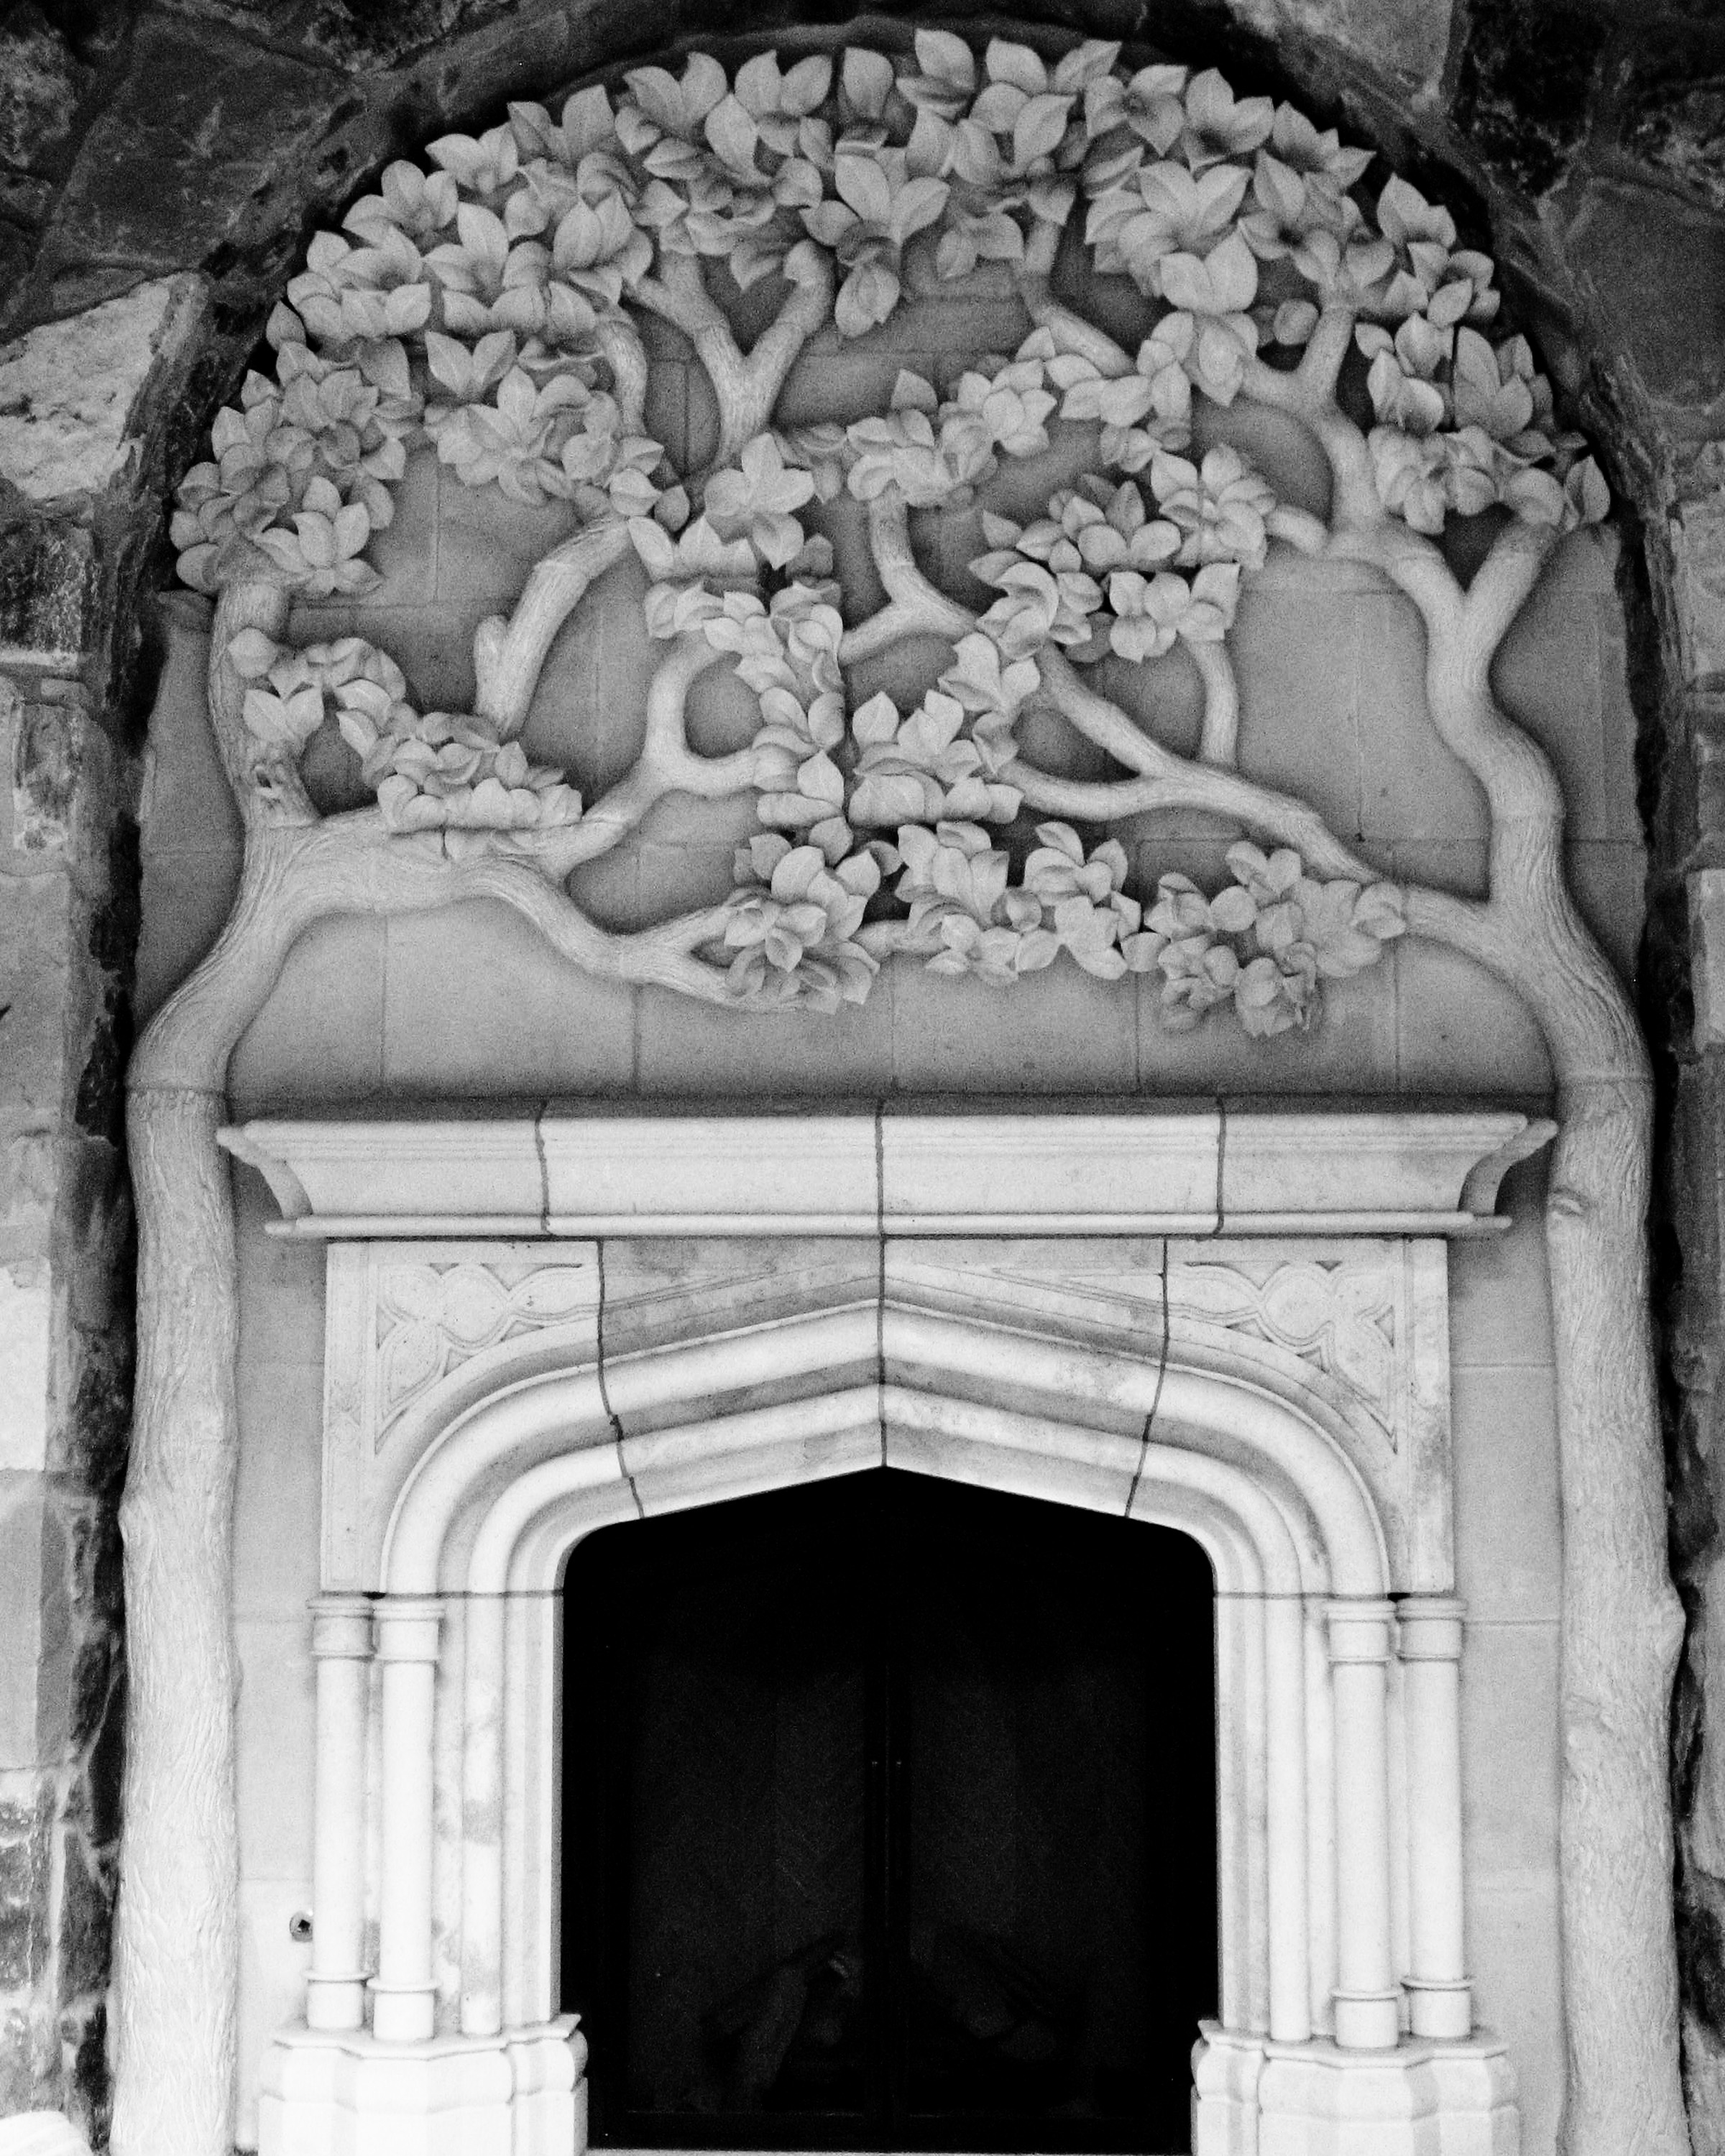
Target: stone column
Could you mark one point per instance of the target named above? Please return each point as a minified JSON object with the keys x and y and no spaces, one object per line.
{"x":341,"y":1647}
{"x":1439,"y":1999}
{"x":403,"y":1993}
{"x":1368,"y":1997}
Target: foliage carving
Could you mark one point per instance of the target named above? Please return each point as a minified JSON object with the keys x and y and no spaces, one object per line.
{"x":497,"y":303}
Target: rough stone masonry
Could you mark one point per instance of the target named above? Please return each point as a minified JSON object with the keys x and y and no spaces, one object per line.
{"x":161,"y":161}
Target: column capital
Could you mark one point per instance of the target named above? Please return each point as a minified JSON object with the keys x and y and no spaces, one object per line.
{"x":1431,"y":1627}
{"x":407,"y":1627}
{"x":1362,"y":1630}
{"x":341,"y":1627}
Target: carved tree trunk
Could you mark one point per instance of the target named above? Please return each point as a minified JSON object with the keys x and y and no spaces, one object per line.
{"x":177,"y":1932}
{"x":1622,"y":1629}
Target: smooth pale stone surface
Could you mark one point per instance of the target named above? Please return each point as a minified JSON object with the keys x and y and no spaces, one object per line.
{"x":281,"y":1297}
{"x":278,"y":1708}
{"x":1509,"y":1749}
{"x":1509,"y":1532}
{"x":319,"y":1035}
{"x":1286,"y":1163}
{"x":821,"y":1169}
{"x":485,"y":1168}
{"x":1513,"y":1943}
{"x":658,"y":1291}
{"x":1101,"y":1292}
{"x":273,"y":1969}
{"x":278,"y":1503}
{"x":1096,"y":1486}
{"x":476,"y":1003}
{"x":1096,"y":1167}
{"x":1500,"y":1301}
{"x":912,"y":1167}
{"x":1459,"y":1030}
{"x":26,"y":1294}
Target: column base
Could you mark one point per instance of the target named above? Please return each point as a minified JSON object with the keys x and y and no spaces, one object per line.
{"x":1254,"y":2097}
{"x":329,"y":2093}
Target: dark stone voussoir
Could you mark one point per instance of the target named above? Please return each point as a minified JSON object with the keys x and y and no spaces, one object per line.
{"x":47,"y":595}
{"x":208,"y":149}
{"x":1658,"y":267}
{"x":86,"y":1920}
{"x":1525,"y":87}
{"x":25,"y":1828}
{"x":41,"y":83}
{"x":1668,"y":106}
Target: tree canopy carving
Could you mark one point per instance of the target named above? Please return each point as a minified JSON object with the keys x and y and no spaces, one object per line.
{"x":493,"y":302}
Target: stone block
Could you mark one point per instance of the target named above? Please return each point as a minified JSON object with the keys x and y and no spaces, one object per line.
{"x":1525,"y":89}
{"x":47,"y":596}
{"x":1697,"y":534}
{"x":187,"y":899}
{"x":26,"y":1830}
{"x":1670,"y":108}
{"x":1658,"y":265}
{"x":1510,"y":1750}
{"x":1511,"y":1929}
{"x":692,"y":1048}
{"x":1500,"y":1299}
{"x":41,"y":82}
{"x":276,"y":1746}
{"x":278,"y":1523}
{"x":86,"y":1918}
{"x":1508,"y":1538}
{"x":64,"y":798}
{"x":1053,"y":1032}
{"x":476,"y":1001}
{"x":1407,"y":38}
{"x":320,"y":1032}
{"x":1460,"y":1030}
{"x":26,"y":1332}
{"x":73,"y":392}
{"x":1706,"y":955}
{"x":207,"y":140}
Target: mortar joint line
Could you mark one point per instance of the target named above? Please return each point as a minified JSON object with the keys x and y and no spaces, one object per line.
{"x":1221,"y":1163}
{"x":880,"y":1272}
{"x":1132,"y":1495}
{"x":611,"y":1413}
{"x":539,"y":1152}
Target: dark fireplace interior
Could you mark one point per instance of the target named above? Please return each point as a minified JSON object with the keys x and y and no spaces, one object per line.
{"x":890,"y":1823}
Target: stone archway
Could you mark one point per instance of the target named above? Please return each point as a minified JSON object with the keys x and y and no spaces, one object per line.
{"x":507,"y":1469}
{"x":218,"y":1245}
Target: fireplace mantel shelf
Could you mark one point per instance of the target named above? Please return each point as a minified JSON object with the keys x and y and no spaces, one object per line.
{"x":1055,"y":1169}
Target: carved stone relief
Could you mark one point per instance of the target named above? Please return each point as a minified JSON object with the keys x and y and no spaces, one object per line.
{"x":486,"y":307}
{"x":407,"y":1321}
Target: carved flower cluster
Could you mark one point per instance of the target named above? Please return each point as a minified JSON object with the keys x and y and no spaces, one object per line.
{"x":1264,"y":941}
{"x":428,"y":771}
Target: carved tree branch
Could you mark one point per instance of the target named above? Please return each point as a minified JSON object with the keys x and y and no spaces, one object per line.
{"x":262,"y":604}
{"x":619,"y":342}
{"x":1308,"y":394}
{"x":667,"y":764}
{"x":746,"y":385}
{"x":508,"y":656}
{"x":1071,"y":332}
{"x":1218,"y":741}
{"x":914,"y":607}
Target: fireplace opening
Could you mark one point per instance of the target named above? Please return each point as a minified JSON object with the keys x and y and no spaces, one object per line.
{"x":890,"y":1823}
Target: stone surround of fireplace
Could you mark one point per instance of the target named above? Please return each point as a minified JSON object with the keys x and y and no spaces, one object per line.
{"x":1233,"y":1323}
